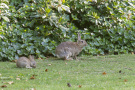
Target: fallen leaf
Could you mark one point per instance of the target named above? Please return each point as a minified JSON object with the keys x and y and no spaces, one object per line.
{"x":104,"y":73}
{"x":46,"y":70}
{"x":49,"y":64}
{"x":32,"y":77}
{"x":66,"y":63}
{"x":17,"y":78}
{"x":125,"y":80}
{"x":14,"y":61}
{"x":120,"y":71}
{"x":68,"y":84}
{"x":80,"y":86}
{"x":3,"y":86}
{"x":132,"y":53}
{"x":10,"y":82}
{"x":33,"y":89}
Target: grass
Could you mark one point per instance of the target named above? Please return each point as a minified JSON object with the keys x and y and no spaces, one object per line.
{"x":113,"y":72}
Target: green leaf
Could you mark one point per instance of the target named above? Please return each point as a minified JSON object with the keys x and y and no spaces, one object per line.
{"x":6,"y":18}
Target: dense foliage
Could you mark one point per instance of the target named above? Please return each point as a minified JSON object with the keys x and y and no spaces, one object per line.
{"x":38,"y":26}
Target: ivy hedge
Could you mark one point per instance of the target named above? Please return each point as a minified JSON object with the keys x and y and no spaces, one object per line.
{"x":38,"y":26}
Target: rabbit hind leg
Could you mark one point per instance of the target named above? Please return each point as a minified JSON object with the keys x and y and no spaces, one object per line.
{"x":75,"y":57}
{"x":68,"y":57}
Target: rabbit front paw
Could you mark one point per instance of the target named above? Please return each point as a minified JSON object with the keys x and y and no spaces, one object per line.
{"x":28,"y":66}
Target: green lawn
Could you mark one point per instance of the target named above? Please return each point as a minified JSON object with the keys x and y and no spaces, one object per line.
{"x":113,"y":72}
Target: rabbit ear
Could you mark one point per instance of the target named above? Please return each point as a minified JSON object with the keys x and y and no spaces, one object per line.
{"x":79,"y":36}
{"x":31,"y":57}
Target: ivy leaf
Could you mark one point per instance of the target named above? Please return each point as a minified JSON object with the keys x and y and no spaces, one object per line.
{"x":6,"y":18}
{"x":3,"y":5}
{"x":66,"y":8}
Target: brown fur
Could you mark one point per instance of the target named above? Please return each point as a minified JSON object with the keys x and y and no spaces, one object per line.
{"x":67,"y":50}
{"x":24,"y":62}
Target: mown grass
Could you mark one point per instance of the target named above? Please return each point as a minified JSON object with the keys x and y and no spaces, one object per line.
{"x":119,"y":74}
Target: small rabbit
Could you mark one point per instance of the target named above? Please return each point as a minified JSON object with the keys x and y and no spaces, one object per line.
{"x":67,"y":50}
{"x":24,"y":62}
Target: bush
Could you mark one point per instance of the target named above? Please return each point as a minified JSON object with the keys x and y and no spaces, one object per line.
{"x":37,"y":27}
{"x":108,"y":25}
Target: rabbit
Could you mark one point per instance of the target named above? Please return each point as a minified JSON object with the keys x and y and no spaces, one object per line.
{"x":67,"y":50}
{"x":24,"y":62}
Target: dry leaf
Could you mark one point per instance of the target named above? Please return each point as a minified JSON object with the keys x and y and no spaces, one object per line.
{"x":120,"y":71}
{"x":32,"y":77}
{"x":33,"y":88}
{"x":3,"y":86}
{"x":132,"y":53}
{"x":10,"y":82}
{"x":17,"y":78}
{"x":46,"y":70}
{"x":104,"y":73}
{"x":49,"y":64}
{"x":80,"y":86}
{"x":68,"y":84}
{"x":125,"y":80}
{"x":14,"y":61}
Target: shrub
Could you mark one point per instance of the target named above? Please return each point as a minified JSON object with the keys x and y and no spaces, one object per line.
{"x":108,"y":24}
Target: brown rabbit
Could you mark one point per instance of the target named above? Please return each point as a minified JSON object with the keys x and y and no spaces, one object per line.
{"x":24,"y":62}
{"x":67,"y":50}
